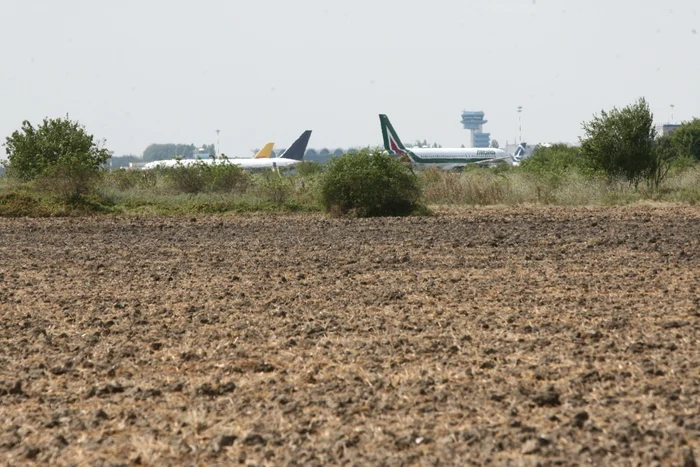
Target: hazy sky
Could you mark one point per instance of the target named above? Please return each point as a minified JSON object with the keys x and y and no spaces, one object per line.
{"x":138,"y":72}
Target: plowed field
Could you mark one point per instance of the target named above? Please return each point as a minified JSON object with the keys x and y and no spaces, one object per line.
{"x":511,"y":337}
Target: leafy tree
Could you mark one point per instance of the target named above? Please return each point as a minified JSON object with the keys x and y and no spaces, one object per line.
{"x":158,"y":152}
{"x":621,"y":142}
{"x":494,"y":144}
{"x":56,"y":145}
{"x":686,"y":139}
{"x":370,"y":183}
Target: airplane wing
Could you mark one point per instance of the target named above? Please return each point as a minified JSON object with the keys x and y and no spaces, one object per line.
{"x":497,"y":160}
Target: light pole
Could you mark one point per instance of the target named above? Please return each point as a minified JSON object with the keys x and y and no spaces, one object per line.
{"x":218,"y":146}
{"x":520,"y":122}
{"x":672,"y":106}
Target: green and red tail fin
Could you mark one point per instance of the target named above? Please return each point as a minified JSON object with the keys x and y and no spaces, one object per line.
{"x":392,"y":143}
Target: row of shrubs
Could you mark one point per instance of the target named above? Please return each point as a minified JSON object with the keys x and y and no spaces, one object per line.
{"x":370,"y":183}
{"x":367,"y":183}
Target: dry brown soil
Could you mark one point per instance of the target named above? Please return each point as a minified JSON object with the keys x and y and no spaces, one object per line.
{"x":505,"y":337}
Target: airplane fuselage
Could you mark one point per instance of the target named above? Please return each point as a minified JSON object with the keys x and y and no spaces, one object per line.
{"x":292,"y":156}
{"x":249,"y":163}
{"x":452,"y":158}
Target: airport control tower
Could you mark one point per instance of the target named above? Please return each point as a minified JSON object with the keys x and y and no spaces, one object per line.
{"x":474,"y":121}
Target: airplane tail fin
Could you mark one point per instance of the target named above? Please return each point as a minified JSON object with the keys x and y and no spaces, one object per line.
{"x":265,"y":152}
{"x":519,"y":152}
{"x":392,"y":143}
{"x":298,"y":148}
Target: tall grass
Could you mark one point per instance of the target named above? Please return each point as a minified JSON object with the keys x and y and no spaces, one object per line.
{"x":485,"y":187}
{"x":682,"y":186}
{"x":472,"y":187}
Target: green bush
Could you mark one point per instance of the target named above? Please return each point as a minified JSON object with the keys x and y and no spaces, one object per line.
{"x":686,"y":139}
{"x":274,"y":187}
{"x":203,"y":177}
{"x":125,"y":180}
{"x":620,"y":143}
{"x":556,"y":159}
{"x":69,"y":180}
{"x":307,"y":168}
{"x":370,"y":183}
{"x":226,"y":178}
{"x":57,"y":145}
{"x":188,"y":179}
{"x":17,"y":204}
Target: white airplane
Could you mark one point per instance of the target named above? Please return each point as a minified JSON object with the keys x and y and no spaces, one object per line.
{"x":262,"y":160}
{"x":445,"y":158}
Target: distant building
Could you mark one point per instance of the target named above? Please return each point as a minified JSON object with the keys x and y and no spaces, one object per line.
{"x":201,"y":153}
{"x":666,"y":129}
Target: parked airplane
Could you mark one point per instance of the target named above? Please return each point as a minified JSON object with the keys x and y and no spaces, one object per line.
{"x":445,"y":158}
{"x":290,"y":157}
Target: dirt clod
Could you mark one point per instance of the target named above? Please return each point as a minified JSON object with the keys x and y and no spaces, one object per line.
{"x":16,"y":389}
{"x":580,"y":419}
{"x":31,"y":452}
{"x":254,"y":439}
{"x":549,"y":398}
{"x":222,"y":441}
{"x":216,"y":389}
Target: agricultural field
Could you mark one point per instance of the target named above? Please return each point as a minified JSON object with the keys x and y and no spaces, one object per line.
{"x":504,"y":336}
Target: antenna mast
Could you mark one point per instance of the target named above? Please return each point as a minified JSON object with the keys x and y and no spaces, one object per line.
{"x":520,"y":122}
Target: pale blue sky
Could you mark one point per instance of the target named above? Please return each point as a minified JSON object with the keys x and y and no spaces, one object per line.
{"x":137,"y":72}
